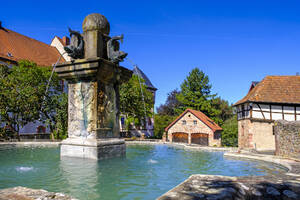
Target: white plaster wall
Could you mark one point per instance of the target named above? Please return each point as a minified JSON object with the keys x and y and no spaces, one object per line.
{"x":263,"y":138}
{"x":257,"y":114}
{"x":264,"y":107}
{"x":276,"y":112}
{"x":288,"y":109}
{"x":289,"y":117}
{"x":276,"y":116}
{"x":60,"y":47}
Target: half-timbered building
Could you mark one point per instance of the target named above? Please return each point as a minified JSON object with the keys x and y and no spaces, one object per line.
{"x":194,"y":127}
{"x":274,"y":98}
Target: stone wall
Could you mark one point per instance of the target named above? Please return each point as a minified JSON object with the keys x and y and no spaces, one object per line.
{"x":190,"y":128}
{"x":287,"y":137}
{"x":256,"y":135}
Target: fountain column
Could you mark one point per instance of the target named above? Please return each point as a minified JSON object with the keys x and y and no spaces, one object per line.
{"x":93,"y":78}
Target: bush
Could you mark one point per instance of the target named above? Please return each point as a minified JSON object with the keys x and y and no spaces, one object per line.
{"x":161,"y":122}
{"x":230,"y":132}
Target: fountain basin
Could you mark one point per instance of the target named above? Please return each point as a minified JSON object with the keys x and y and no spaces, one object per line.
{"x":146,"y":172}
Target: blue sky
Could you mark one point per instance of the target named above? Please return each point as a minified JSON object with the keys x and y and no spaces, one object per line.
{"x":233,"y":42}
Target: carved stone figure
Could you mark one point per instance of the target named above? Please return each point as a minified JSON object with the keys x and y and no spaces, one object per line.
{"x":76,"y":48}
{"x":113,"y":49}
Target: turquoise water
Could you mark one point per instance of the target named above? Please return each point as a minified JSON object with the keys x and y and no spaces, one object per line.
{"x":145,"y":173}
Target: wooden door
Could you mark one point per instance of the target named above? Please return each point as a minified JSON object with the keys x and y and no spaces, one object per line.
{"x":200,"y":138}
{"x":180,"y":137}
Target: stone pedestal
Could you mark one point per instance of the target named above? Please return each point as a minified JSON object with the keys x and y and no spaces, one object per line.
{"x":93,"y":148}
{"x":93,"y":95}
{"x":93,"y":108}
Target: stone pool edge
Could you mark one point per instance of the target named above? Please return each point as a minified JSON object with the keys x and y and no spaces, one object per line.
{"x":183,"y":145}
{"x":31,"y":144}
{"x":281,"y":186}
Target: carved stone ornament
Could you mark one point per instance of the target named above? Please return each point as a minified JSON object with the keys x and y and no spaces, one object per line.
{"x":76,"y":48}
{"x":113,"y":49}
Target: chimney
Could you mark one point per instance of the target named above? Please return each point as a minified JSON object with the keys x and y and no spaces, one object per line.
{"x":0,"y":25}
{"x":66,"y":40}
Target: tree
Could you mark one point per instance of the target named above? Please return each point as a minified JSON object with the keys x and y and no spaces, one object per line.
{"x":196,"y":94}
{"x":23,"y":96}
{"x":161,"y":122}
{"x":61,"y":117}
{"x":136,"y":101}
{"x":21,"y":91}
{"x":171,"y":103}
{"x":225,"y":110}
{"x":230,"y":132}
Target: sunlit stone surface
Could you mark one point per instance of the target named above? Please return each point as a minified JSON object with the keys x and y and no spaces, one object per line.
{"x":93,"y":93}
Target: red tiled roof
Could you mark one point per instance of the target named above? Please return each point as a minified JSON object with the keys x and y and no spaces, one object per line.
{"x":24,"y":48}
{"x":201,"y":116}
{"x":275,"y":89}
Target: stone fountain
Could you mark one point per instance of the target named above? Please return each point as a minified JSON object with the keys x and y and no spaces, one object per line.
{"x":93,"y":77}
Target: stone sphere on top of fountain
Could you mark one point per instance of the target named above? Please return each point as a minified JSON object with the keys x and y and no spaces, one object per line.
{"x":96,"y":22}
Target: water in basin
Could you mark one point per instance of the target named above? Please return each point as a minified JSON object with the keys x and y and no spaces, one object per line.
{"x":146,"y":172}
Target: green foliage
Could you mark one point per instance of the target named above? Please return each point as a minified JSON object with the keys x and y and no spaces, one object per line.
{"x":225,"y":110}
{"x":21,"y":90}
{"x":136,"y":102}
{"x":161,"y":122}
{"x":23,"y":96}
{"x":60,"y":117}
{"x":169,"y":107}
{"x":230,"y":132}
{"x":196,"y":94}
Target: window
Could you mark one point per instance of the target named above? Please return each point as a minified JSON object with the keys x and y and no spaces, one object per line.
{"x":195,"y":122}
{"x":149,"y":122}
{"x":217,"y":135}
{"x":41,"y":129}
{"x":183,"y":122}
{"x":243,"y":111}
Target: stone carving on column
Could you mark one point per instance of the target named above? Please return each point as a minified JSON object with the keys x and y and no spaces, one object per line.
{"x":76,"y":48}
{"x":113,"y":49}
{"x":93,"y":79}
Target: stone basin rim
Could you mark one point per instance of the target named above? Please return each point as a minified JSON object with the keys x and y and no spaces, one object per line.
{"x":228,"y":151}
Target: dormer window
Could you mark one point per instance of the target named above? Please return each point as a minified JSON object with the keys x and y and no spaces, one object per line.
{"x":183,"y":122}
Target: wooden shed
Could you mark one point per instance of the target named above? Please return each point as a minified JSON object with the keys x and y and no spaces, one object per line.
{"x":194,"y":127}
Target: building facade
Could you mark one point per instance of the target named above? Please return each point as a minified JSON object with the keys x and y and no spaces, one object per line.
{"x":194,"y":127}
{"x":274,"y":98}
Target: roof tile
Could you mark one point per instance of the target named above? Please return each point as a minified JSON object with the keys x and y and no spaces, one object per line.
{"x":201,"y":116}
{"x":24,"y":48}
{"x":275,"y":89}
